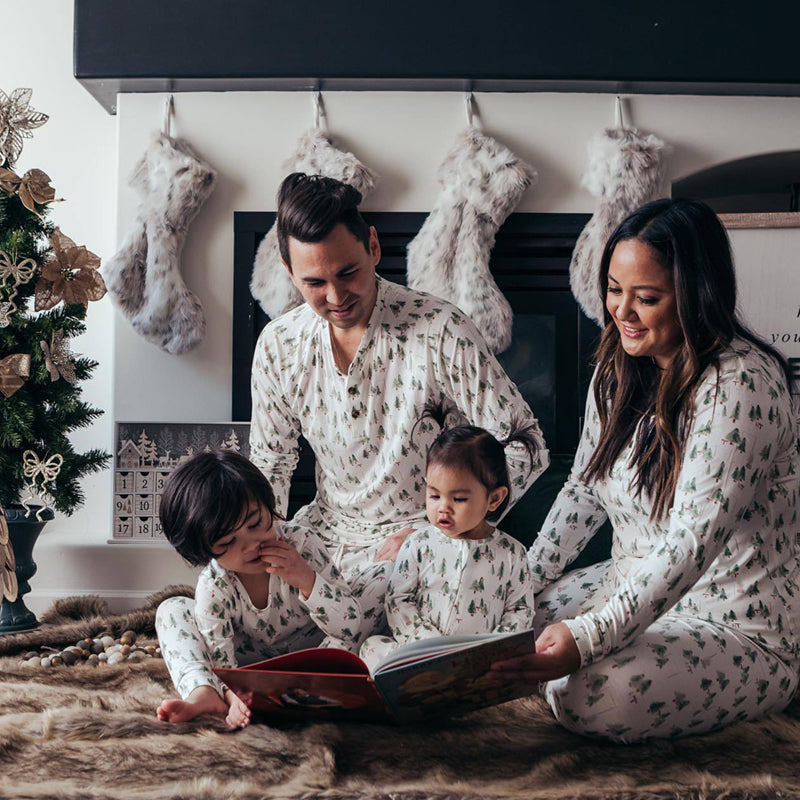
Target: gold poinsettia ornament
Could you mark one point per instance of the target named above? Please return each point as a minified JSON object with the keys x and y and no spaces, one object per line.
{"x":17,"y":120}
{"x":32,"y":187}
{"x":70,"y":276}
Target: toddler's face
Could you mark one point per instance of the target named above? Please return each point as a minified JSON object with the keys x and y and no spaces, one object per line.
{"x":238,"y":551}
{"x":457,"y":503}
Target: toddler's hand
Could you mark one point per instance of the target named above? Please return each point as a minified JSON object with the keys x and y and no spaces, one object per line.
{"x":285,"y":562}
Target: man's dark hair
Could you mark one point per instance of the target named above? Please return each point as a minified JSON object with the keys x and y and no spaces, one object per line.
{"x":311,"y":206}
{"x":207,"y":497}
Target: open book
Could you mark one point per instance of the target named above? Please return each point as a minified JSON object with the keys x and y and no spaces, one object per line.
{"x":426,"y":678}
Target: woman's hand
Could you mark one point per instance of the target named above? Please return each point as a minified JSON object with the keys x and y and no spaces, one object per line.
{"x":556,"y":655}
{"x":283,"y":560}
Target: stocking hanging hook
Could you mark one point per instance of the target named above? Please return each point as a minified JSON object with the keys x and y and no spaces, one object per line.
{"x":319,"y":109}
{"x":167,"y":114}
{"x":619,"y":119}
{"x":473,"y":117}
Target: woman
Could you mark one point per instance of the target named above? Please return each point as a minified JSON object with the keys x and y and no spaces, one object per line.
{"x":690,"y":448}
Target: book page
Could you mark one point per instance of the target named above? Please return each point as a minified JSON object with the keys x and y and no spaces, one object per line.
{"x":455,"y":681}
{"x":427,"y":648}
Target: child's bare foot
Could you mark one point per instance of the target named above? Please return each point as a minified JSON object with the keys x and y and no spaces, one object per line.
{"x":203,"y":700}
{"x":238,"y":709}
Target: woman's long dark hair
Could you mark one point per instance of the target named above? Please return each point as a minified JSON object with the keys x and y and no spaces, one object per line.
{"x":691,"y":243}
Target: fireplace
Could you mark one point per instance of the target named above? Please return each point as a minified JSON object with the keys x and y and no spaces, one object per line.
{"x":549,"y":358}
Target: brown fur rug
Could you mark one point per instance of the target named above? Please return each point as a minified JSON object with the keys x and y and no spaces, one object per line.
{"x":83,"y":732}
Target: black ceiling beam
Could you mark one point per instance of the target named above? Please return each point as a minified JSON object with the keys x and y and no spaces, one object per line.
{"x":683,"y":47}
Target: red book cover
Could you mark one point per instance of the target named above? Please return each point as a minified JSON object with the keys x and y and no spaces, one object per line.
{"x":448,"y":675}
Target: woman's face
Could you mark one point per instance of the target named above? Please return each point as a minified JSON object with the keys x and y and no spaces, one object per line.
{"x":641,"y":301}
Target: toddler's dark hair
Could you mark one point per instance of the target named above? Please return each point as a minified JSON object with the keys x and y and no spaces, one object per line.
{"x":476,"y":450}
{"x":207,"y":497}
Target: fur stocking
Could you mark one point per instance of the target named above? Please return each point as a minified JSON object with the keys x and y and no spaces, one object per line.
{"x":315,"y":155}
{"x":625,"y":170}
{"x":143,"y":277}
{"x":482,"y":181}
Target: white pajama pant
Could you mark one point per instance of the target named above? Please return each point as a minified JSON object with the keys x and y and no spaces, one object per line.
{"x":681,"y":676}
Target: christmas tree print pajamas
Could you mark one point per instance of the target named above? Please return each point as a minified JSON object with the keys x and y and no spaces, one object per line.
{"x":695,"y":621}
{"x":222,"y":627}
{"x":370,"y":474}
{"x":442,"y":586}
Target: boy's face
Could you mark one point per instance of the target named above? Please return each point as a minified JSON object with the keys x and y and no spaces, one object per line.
{"x":457,"y":503}
{"x":337,"y":276}
{"x":238,"y":551}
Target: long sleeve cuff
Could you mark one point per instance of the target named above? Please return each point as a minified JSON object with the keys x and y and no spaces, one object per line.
{"x":588,"y":638}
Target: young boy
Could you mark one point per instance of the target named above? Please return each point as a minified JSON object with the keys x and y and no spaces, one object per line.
{"x":263,"y":591}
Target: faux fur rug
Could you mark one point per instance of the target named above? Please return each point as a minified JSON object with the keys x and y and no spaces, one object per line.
{"x":83,"y":732}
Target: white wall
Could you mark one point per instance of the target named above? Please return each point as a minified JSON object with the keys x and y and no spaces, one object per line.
{"x":246,"y":137}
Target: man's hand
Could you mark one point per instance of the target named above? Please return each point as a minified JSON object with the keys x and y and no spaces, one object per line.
{"x":556,"y":655}
{"x":283,"y":560}
{"x":392,"y":544}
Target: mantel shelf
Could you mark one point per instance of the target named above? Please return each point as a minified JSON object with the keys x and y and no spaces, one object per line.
{"x":105,"y":90}
{"x":626,"y":47}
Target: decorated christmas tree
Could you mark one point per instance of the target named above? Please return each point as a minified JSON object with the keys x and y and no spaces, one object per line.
{"x":46,"y":284}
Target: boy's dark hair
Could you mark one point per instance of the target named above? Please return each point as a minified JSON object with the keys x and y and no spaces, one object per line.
{"x":476,"y":450}
{"x":207,"y":497}
{"x":311,"y":206}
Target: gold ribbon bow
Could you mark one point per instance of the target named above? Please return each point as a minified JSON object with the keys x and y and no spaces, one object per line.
{"x":33,"y":187}
{"x":19,"y":274}
{"x":57,"y":358}
{"x":32,"y":468}
{"x":8,"y":575}
{"x":14,"y":369}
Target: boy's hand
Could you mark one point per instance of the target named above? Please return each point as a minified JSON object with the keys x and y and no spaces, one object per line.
{"x":284,"y":561}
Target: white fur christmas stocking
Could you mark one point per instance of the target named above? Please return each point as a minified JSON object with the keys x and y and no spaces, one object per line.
{"x":482,"y":181}
{"x":625,"y":170}
{"x":144,"y":277}
{"x":315,"y":155}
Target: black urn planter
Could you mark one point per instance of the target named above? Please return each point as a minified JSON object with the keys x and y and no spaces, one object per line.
{"x":23,"y":533}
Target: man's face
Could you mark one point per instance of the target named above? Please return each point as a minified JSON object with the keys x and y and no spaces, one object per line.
{"x":337,"y":276}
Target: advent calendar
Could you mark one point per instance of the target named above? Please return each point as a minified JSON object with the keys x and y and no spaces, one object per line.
{"x":145,"y":453}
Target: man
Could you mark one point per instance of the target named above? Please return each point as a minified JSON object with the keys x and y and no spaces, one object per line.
{"x":352,"y":368}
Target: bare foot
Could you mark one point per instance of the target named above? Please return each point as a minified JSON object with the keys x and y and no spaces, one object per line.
{"x":203,"y":700}
{"x":238,"y":709}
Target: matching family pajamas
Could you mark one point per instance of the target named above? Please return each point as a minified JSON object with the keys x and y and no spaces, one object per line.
{"x":370,"y":469}
{"x":692,"y":624}
{"x":442,"y":587}
{"x":695,"y":620}
{"x":222,"y":628}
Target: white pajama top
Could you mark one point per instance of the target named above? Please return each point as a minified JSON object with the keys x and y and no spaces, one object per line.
{"x":369,"y":471}
{"x":442,"y":586}
{"x":234,"y":629}
{"x":726,"y":552}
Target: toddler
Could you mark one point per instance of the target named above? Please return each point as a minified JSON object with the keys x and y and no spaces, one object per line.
{"x":260,"y":594}
{"x":459,"y":575}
